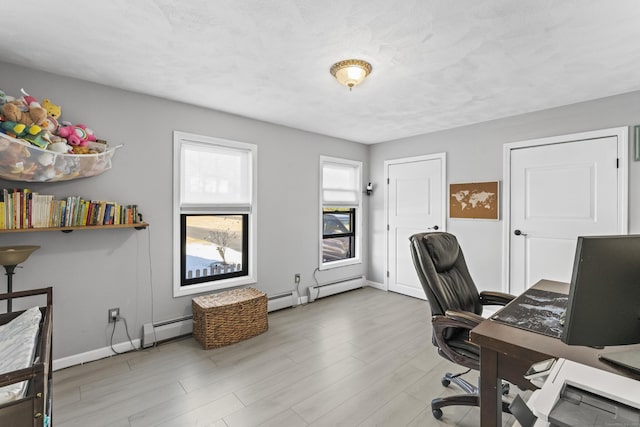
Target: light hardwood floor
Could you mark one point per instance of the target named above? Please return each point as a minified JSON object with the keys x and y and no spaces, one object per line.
{"x":361,"y":358}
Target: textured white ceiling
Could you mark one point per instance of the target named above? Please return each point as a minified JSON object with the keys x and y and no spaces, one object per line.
{"x":437,"y":64}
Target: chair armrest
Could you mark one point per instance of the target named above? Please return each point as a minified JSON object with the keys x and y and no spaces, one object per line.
{"x":464,"y":319}
{"x":495,"y":298}
{"x":457,"y":320}
{"x":453,"y":319}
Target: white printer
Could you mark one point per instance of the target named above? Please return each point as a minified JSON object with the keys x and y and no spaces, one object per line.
{"x":578,"y":395}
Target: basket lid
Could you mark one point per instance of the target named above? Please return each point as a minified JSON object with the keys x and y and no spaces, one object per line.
{"x":227,"y":297}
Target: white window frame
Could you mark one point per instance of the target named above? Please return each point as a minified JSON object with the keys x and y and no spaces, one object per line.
{"x":180,"y":138}
{"x":357,"y":258}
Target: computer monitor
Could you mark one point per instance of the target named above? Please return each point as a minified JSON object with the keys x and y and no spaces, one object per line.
{"x":604,"y":297}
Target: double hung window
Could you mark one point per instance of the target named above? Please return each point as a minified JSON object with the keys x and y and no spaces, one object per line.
{"x":214,"y":213}
{"x":341,"y":201}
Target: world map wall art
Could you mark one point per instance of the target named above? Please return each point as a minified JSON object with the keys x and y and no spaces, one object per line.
{"x":474,"y":200}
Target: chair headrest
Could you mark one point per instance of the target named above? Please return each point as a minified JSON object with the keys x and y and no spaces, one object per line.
{"x":443,"y":249}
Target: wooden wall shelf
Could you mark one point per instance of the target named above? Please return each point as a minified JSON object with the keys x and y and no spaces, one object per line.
{"x":137,"y":226}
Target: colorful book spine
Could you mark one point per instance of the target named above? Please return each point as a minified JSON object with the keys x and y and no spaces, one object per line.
{"x":24,"y":208}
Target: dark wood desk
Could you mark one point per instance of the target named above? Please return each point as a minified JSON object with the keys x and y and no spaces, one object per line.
{"x":507,"y":352}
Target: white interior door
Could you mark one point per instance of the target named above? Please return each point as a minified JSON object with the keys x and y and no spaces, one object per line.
{"x":415,"y":203}
{"x":559,"y":190}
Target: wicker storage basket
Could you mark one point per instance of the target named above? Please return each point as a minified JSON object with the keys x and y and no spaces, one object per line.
{"x":229,"y":317}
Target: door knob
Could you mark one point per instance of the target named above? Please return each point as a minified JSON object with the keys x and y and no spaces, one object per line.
{"x":519,"y":233}
{"x":435,"y":227}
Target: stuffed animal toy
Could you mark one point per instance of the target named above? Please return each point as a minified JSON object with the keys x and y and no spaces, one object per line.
{"x":28,"y":99}
{"x":17,"y":111}
{"x":82,"y":150}
{"x":14,"y":129}
{"x":33,"y":133}
{"x":77,"y":135}
{"x":15,"y":160}
{"x":50,"y":124}
{"x":4,"y":98}
{"x":53,"y":110}
{"x":59,"y":147}
{"x":37,"y":136}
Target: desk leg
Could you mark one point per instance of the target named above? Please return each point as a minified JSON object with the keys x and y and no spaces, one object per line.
{"x":490,"y":393}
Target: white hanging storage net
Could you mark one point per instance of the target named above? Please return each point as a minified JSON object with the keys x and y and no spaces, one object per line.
{"x":22,"y":161}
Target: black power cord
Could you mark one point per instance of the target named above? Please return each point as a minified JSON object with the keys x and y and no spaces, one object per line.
{"x":126,"y":328}
{"x":155,"y":336}
{"x":315,"y":279}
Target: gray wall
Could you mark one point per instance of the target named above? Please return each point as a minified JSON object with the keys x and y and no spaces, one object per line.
{"x":474,"y":153}
{"x":92,"y":271}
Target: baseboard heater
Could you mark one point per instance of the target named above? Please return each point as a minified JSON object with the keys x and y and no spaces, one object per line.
{"x":280,"y":301}
{"x":324,"y":290}
{"x":153,"y":333}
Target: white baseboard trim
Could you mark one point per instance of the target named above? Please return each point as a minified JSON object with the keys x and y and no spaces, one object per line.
{"x":90,"y":356}
{"x":376,"y":285}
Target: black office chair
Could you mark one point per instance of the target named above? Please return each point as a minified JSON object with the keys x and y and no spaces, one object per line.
{"x":456,"y":307}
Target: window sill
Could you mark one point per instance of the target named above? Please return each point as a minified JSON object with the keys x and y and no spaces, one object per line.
{"x":219,"y":285}
{"x":342,"y":263}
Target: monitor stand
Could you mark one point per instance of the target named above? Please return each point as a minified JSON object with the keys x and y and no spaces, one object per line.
{"x":629,"y":359}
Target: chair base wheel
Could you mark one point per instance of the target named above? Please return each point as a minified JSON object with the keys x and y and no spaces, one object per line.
{"x":505,"y":388}
{"x":445,"y":382}
{"x":437,"y":413}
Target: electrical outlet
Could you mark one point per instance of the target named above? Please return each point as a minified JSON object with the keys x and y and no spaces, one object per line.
{"x":114,"y":314}
{"x":296,"y":278}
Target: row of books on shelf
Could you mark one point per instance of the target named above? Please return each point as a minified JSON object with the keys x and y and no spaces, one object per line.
{"x":23,"y":208}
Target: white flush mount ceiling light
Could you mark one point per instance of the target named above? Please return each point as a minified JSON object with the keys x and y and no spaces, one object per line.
{"x":350,"y":72}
